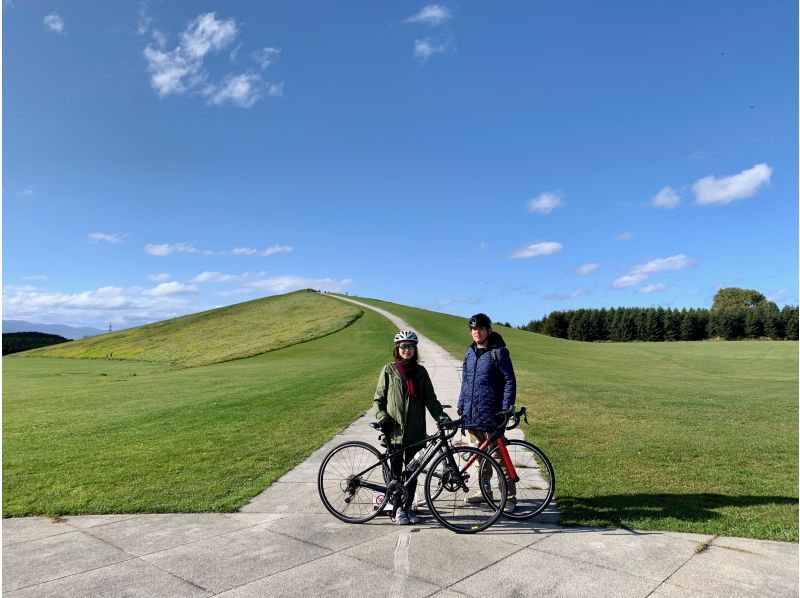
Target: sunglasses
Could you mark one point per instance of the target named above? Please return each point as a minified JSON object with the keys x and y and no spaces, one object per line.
{"x":406,"y":346}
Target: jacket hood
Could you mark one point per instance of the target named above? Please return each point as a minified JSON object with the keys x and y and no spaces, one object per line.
{"x":494,"y":341}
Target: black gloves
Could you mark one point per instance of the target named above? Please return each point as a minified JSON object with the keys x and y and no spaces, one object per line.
{"x":460,"y":411}
{"x":385,"y":424}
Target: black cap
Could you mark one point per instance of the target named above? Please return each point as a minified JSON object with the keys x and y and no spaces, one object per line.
{"x":480,"y":321}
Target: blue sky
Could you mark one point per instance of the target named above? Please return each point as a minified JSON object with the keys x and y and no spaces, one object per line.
{"x":163,"y":158}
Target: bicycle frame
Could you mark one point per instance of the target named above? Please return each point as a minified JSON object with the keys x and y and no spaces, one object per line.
{"x":441,"y":443}
{"x":497,"y":436}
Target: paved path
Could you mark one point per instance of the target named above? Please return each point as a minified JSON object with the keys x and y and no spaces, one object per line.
{"x":284,"y":543}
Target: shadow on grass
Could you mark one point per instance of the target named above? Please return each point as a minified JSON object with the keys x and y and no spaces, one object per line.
{"x":624,"y":510}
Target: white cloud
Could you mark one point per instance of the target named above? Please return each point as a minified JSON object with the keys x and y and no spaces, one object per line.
{"x":262,"y":252}
{"x":425,"y":48}
{"x":545,"y":202}
{"x":207,"y":33}
{"x":214,"y":277}
{"x":653,"y":288}
{"x":157,"y":277}
{"x":433,"y":15}
{"x":107,"y":237}
{"x":171,"y":72}
{"x":242,"y":90}
{"x":697,"y":156}
{"x":724,"y":190}
{"x":537,"y":249}
{"x":166,"y":289}
{"x":163,"y":249}
{"x":286,"y":284}
{"x":54,"y":23}
{"x":35,"y":277}
{"x":626,"y":236}
{"x":26,"y":192}
{"x":92,"y":307}
{"x":628,"y":280}
{"x":780,"y":296}
{"x":266,"y":57}
{"x":182,"y":69}
{"x":585,"y":269}
{"x":642,"y":272}
{"x":274,"y":90}
{"x":573,"y":295}
{"x":666,"y":198}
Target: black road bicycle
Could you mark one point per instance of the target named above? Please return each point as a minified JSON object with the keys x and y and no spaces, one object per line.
{"x":355,"y":481}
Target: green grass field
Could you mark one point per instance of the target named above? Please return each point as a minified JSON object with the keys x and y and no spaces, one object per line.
{"x":693,"y":437}
{"x":106,"y":436}
{"x":224,"y":334}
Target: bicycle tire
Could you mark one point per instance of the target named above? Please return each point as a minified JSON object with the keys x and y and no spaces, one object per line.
{"x":446,"y":497}
{"x":344,"y":499}
{"x":537,"y":480}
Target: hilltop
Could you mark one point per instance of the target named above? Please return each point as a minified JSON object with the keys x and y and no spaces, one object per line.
{"x":223,"y":334}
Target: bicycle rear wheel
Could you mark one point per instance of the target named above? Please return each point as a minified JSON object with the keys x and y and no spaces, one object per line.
{"x":350,"y":480}
{"x":457,"y":498}
{"x":537,"y":481}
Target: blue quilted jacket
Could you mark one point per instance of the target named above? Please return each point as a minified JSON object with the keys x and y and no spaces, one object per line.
{"x":486,"y":388}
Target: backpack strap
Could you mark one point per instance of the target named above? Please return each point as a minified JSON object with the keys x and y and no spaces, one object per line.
{"x":496,"y":362}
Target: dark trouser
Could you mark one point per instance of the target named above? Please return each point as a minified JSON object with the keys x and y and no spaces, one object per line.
{"x":398,"y":463}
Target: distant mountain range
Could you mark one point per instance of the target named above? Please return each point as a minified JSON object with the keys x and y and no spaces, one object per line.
{"x":71,"y":332}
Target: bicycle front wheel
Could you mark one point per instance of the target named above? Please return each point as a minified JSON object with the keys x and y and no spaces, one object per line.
{"x":537,"y":481}
{"x":455,"y":494}
{"x":352,"y":482}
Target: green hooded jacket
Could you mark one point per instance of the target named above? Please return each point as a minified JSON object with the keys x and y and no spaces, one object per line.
{"x":391,"y":398}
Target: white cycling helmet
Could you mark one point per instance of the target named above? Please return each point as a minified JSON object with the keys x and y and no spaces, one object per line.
{"x":408,"y":336}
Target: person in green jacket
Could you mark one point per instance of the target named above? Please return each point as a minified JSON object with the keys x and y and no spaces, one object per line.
{"x":404,"y":392}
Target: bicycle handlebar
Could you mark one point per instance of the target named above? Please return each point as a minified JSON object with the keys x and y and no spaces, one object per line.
{"x":510,"y":414}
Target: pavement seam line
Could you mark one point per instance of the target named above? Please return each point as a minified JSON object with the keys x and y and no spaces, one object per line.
{"x":42,"y":538}
{"x":600,"y":565}
{"x":704,"y":546}
{"x":132,"y":557}
{"x":176,"y":576}
{"x":485,"y":567}
{"x":333,"y":552}
{"x":177,"y":545}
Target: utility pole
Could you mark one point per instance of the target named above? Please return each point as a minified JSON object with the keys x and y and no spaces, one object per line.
{"x":109,"y":327}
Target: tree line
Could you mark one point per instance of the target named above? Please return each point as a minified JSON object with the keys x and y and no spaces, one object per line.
{"x":14,"y":342}
{"x":736,"y":314}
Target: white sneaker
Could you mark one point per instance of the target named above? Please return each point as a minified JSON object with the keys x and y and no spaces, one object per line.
{"x":479,"y":496}
{"x":413,"y":518}
{"x":401,"y":518}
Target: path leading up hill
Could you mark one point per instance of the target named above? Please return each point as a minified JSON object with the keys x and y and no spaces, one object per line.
{"x":284,"y":543}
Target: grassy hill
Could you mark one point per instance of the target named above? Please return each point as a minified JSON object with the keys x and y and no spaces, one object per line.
{"x":114,"y":436}
{"x":695,"y":437}
{"x":223,"y":334}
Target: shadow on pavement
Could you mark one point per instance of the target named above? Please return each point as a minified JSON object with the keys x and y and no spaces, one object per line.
{"x":624,"y":510}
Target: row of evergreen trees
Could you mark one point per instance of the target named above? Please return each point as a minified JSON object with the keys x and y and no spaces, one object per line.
{"x":655,"y":324}
{"x":735,"y":314}
{"x":14,"y":342}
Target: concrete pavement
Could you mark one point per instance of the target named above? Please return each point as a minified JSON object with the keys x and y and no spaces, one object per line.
{"x":284,"y":543}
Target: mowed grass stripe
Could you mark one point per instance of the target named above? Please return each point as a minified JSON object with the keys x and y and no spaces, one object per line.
{"x":101,"y":436}
{"x":218,"y":335}
{"x":693,"y":437}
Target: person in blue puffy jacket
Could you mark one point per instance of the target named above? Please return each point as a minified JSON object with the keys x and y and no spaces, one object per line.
{"x":488,"y":385}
